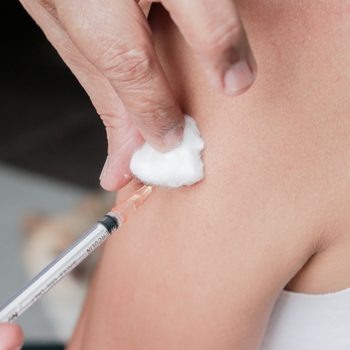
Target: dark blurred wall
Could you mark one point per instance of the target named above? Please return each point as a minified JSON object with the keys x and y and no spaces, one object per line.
{"x":48,"y":124}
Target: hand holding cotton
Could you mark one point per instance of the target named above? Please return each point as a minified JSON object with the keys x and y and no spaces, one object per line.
{"x":178,"y":167}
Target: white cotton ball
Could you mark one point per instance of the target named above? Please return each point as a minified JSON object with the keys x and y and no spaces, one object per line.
{"x":178,"y":167}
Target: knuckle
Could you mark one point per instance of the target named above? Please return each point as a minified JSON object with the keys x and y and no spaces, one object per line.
{"x":50,"y":7}
{"x":222,"y":36}
{"x":124,"y":64}
{"x":158,"y":121}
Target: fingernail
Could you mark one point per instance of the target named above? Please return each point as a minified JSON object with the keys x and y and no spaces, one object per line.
{"x":238,"y":78}
{"x":104,"y":169}
{"x":173,"y":137}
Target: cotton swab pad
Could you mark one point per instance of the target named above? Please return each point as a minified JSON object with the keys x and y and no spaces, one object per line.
{"x":178,"y":167}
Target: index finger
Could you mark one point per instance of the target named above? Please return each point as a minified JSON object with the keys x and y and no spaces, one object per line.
{"x":115,"y":37}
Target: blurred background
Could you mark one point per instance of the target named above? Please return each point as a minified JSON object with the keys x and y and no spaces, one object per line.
{"x":52,"y":148}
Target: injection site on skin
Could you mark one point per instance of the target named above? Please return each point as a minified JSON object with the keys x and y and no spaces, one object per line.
{"x":182,"y":166}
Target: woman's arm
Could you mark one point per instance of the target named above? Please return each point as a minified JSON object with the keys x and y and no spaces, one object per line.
{"x":201,"y":267}
{"x":197,"y":268}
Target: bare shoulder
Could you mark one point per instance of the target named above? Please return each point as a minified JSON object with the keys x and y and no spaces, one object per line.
{"x":282,"y":136}
{"x":201,"y":267}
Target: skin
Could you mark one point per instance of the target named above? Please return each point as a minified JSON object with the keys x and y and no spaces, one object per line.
{"x":109,"y":47}
{"x":11,"y":337}
{"x":201,"y":267}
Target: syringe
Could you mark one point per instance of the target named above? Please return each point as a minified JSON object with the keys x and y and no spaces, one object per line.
{"x":71,"y":257}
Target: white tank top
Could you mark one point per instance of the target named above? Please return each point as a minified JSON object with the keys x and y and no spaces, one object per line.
{"x":301,"y":321}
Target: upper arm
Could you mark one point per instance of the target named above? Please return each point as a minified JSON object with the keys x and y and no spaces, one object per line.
{"x":196,"y":268}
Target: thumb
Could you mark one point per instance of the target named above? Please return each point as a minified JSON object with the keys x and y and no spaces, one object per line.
{"x":217,"y":36}
{"x":11,"y":336}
